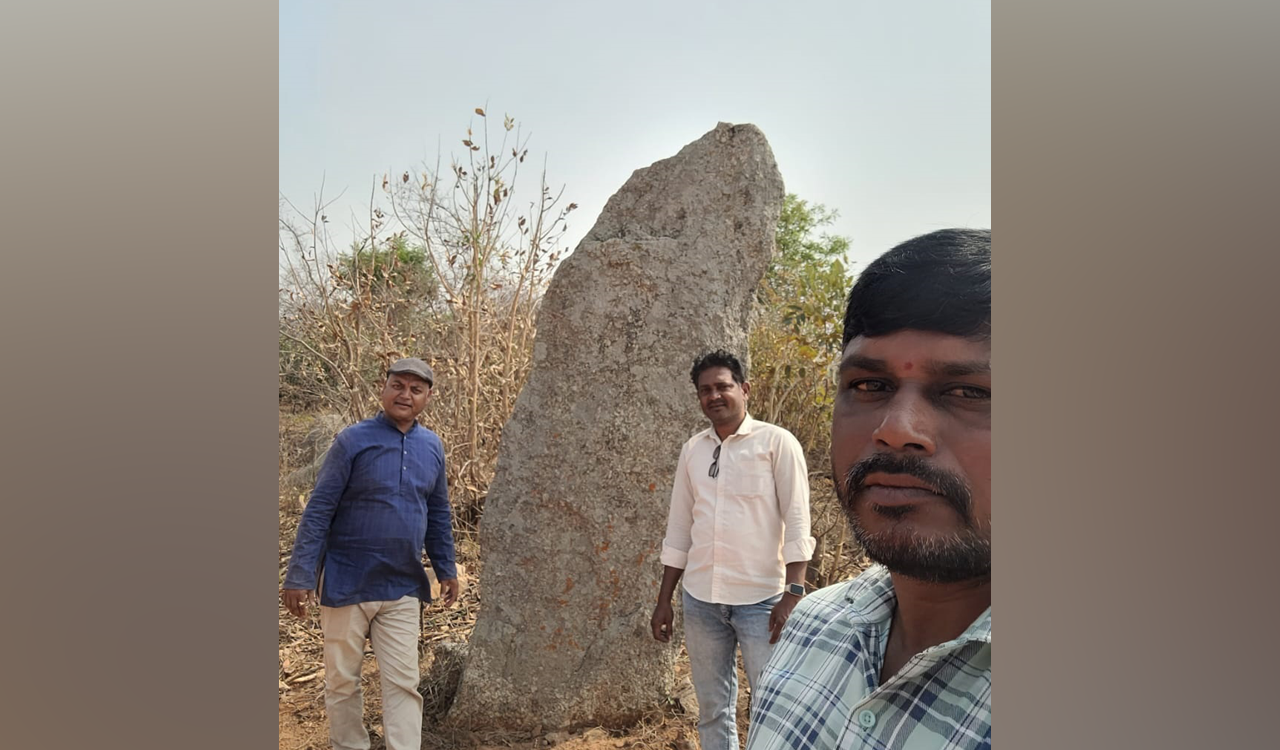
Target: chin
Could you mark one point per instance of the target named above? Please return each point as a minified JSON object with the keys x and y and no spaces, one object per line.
{"x":924,"y":554}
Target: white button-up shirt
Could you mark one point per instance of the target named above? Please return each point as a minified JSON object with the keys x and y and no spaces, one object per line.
{"x":733,"y":534}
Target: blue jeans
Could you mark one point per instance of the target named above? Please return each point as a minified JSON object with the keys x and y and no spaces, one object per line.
{"x":712,"y":632}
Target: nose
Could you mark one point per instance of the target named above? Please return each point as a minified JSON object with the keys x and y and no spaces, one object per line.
{"x":908,"y":426}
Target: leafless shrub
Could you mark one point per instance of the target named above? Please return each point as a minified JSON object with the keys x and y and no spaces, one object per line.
{"x":449,"y":267}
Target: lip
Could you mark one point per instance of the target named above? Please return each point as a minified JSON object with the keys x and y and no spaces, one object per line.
{"x":898,"y":481}
{"x":897,"y":490}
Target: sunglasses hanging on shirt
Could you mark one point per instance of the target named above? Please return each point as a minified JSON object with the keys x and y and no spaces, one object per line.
{"x":714,"y":471}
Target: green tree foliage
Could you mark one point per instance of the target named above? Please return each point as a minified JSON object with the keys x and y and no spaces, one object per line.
{"x":797,"y":244}
{"x":395,"y":271}
{"x":794,"y":342}
{"x":795,"y":334}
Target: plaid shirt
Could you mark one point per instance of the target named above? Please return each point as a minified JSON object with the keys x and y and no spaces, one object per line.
{"x":821,"y":688}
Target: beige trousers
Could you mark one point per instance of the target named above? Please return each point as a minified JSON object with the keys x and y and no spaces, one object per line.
{"x":393,"y":629}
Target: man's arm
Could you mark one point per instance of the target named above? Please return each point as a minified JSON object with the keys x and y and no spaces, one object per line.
{"x":439,"y":537}
{"x":675,"y":547}
{"x":313,"y":529}
{"x":791,"y":482}
{"x":663,"y":618}
{"x":782,"y":610}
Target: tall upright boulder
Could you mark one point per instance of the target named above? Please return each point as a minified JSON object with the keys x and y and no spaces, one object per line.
{"x":576,"y":512}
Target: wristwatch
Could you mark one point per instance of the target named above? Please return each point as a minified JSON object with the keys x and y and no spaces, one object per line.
{"x":795,"y":588}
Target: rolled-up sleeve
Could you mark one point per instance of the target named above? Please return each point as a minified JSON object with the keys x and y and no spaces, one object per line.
{"x":791,"y":479}
{"x":679,"y":538}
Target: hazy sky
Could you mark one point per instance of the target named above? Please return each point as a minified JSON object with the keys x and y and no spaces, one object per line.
{"x":879,"y":110}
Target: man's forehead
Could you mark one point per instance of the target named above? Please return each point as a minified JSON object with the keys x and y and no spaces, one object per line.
{"x":718,"y":374}
{"x":924,"y":349}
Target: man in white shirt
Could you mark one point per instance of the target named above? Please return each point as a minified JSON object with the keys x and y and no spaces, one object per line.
{"x":738,"y":533}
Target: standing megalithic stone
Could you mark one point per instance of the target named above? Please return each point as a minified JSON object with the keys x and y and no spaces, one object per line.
{"x":575,"y":515}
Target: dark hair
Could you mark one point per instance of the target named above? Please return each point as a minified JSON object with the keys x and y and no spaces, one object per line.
{"x":718,"y":358}
{"x":938,"y":282}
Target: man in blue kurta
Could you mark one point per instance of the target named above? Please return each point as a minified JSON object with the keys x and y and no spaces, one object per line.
{"x":380,"y":500}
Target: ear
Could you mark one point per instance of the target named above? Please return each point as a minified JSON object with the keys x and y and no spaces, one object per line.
{"x":746,"y":389}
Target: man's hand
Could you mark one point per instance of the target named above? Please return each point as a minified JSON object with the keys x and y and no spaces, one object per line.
{"x":661,"y":622}
{"x":449,"y":589}
{"x":297,"y":601}
{"x":778,"y":617}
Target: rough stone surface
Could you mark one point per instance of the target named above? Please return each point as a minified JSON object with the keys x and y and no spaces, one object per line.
{"x":576,"y":512}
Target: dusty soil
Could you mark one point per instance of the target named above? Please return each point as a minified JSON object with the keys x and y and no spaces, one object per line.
{"x":303,"y":725}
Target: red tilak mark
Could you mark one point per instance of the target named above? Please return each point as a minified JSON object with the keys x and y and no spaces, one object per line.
{"x":907,"y":366}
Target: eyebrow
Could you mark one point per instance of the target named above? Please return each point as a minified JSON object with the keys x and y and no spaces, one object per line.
{"x":861,"y":362}
{"x":959,"y":369}
{"x":938,"y":369}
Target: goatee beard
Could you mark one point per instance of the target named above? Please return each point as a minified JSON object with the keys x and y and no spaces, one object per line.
{"x":963,"y":555}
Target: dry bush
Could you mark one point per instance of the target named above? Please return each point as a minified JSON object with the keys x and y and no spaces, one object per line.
{"x":492,"y":258}
{"x":450,"y":267}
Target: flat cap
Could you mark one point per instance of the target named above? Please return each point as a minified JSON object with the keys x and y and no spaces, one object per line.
{"x":413,"y":366}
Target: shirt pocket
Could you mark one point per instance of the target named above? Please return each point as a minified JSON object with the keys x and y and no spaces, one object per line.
{"x":752,"y":475}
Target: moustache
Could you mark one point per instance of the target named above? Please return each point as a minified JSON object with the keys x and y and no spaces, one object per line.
{"x":950,"y":487}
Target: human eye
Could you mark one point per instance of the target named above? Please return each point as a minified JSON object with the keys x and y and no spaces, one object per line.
{"x":968,"y":392}
{"x":869,"y":385}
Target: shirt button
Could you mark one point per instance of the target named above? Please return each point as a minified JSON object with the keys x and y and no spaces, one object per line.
{"x":867,"y":718}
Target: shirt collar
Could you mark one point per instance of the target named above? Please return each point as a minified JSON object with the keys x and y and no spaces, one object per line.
{"x":871,"y":600}
{"x":382,"y":417}
{"x":744,"y":429}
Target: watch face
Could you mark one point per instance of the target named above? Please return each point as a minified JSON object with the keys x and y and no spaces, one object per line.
{"x":795,"y":588}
